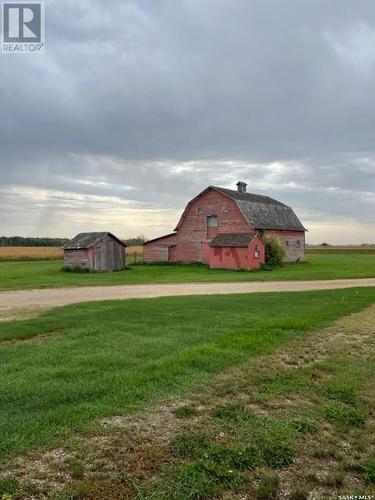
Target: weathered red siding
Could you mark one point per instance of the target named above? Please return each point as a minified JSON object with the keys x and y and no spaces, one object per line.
{"x":160,"y":249}
{"x":293,"y":242}
{"x":236,"y":257}
{"x":75,"y":259}
{"x":190,"y":243}
{"x":193,"y":232}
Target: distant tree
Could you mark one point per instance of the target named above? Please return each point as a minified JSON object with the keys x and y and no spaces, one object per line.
{"x":325,"y":244}
{"x":135,"y":241}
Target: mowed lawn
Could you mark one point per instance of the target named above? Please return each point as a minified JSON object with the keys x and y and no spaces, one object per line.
{"x":44,"y":274}
{"x":88,"y":361}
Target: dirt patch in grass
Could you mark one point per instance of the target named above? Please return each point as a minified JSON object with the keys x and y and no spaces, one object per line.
{"x":37,"y":339}
{"x":267,"y":418}
{"x":18,"y":313}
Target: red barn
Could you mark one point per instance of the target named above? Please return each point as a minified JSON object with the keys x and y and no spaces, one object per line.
{"x":222,"y":227}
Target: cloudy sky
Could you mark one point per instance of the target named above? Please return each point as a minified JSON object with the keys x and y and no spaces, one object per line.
{"x":136,"y":106}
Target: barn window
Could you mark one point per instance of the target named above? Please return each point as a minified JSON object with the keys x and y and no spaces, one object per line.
{"x":199,"y":211}
{"x":286,"y":243}
{"x":225,"y":209}
{"x":298,"y":244}
{"x":212,"y":221}
{"x":256,"y":252}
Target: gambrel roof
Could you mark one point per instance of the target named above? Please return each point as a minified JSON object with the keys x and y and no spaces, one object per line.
{"x":260,"y":212}
{"x":263,"y":212}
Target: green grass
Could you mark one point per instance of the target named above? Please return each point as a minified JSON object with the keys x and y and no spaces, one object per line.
{"x":367,"y":469}
{"x":8,"y":485}
{"x":299,"y":493}
{"x":343,"y":414}
{"x":113,"y":357}
{"x":268,"y":487}
{"x":342,"y":250}
{"x":22,"y":275}
{"x":185,"y":411}
{"x":254,"y":446}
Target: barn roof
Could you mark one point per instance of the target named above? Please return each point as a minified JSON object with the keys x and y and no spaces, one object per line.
{"x":232,"y":239}
{"x":87,"y":240}
{"x":159,"y":238}
{"x":263,"y":212}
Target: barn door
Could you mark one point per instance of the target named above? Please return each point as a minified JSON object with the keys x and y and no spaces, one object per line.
{"x":172,"y":253}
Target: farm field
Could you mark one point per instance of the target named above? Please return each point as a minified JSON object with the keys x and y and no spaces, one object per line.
{"x":200,"y":397}
{"x":352,"y":249}
{"x":47,"y":253}
{"x":30,"y":253}
{"x":45,"y":274}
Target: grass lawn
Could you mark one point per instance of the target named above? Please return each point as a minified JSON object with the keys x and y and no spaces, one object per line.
{"x":295,"y":424}
{"x":266,"y":396}
{"x":110,"y":358}
{"x":44,"y":274}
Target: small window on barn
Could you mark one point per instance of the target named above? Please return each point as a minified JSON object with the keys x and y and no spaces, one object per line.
{"x":212,"y":221}
{"x":286,"y":243}
{"x":256,"y":252}
{"x":199,"y":211}
{"x":298,"y":244}
{"x":225,"y":209}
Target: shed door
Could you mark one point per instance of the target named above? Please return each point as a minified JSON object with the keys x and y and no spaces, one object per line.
{"x":100,"y":251}
{"x":98,"y":258}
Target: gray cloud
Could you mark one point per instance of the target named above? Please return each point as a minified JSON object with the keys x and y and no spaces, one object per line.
{"x":141,"y":104}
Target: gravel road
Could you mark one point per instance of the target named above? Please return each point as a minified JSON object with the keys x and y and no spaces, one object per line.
{"x":51,"y":297}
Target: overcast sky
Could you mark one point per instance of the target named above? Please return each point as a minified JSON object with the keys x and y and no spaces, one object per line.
{"x":136,"y":106}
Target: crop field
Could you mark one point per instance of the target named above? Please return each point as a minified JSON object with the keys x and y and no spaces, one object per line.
{"x":344,"y":249}
{"x":202,"y":397}
{"x":134,"y":250}
{"x":46,"y":253}
{"x":30,"y":253}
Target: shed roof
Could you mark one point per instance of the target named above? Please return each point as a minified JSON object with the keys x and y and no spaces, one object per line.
{"x":263,"y":212}
{"x":87,"y":240}
{"x":232,"y":239}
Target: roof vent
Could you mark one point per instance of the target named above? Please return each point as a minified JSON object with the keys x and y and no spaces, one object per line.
{"x":241,"y":187}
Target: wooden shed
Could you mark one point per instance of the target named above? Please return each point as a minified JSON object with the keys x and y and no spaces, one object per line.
{"x":95,"y":251}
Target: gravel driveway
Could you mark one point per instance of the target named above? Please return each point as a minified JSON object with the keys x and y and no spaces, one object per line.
{"x":51,"y":297}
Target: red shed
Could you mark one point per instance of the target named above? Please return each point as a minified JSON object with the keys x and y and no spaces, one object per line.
{"x":235,"y":251}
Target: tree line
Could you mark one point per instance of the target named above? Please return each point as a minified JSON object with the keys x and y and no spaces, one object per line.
{"x":135,"y":242}
{"x":19,"y":241}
